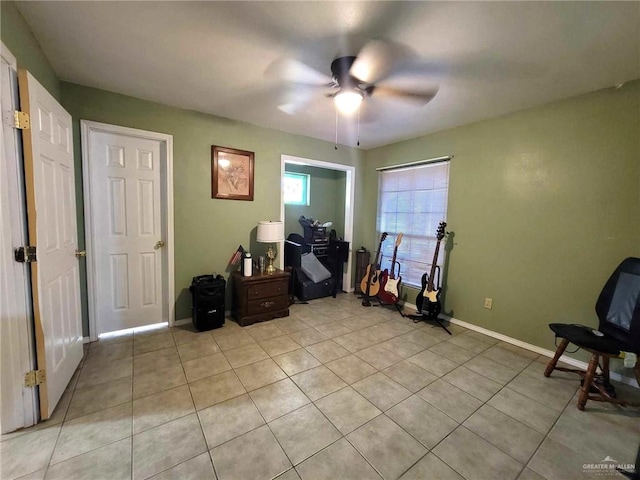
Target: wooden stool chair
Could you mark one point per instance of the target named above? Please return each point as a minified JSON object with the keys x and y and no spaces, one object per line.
{"x":618,"y":311}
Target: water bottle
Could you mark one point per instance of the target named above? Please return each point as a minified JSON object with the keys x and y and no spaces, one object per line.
{"x":247,"y":264}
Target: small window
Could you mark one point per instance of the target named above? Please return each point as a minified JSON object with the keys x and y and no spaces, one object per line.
{"x":296,"y":188}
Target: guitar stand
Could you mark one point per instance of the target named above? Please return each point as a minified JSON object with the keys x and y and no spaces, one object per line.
{"x":382,"y":304}
{"x":427,"y":318}
{"x":398,"y":308}
{"x":375,"y":299}
{"x":422,"y":316}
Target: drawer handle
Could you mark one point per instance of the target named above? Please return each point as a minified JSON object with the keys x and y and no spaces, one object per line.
{"x":267,"y":304}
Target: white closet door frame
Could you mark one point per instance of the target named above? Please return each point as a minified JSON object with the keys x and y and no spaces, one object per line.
{"x":17,"y":339}
{"x":350,"y":192}
{"x":166,"y":158}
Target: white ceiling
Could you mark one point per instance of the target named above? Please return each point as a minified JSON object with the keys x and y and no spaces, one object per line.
{"x":488,"y":58}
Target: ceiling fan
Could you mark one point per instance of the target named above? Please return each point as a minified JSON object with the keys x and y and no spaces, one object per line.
{"x":372,"y":73}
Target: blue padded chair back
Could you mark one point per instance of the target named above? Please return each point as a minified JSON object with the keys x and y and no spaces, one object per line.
{"x":618,"y":306}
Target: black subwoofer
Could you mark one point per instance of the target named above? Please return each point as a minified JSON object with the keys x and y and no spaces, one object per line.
{"x":208,"y":293}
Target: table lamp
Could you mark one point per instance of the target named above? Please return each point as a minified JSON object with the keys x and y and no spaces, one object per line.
{"x":270,"y":232}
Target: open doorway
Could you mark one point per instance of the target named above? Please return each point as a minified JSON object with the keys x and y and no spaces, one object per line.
{"x":337,"y":177}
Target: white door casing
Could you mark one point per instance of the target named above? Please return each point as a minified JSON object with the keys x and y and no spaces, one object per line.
{"x":18,"y":403}
{"x":51,"y":208}
{"x":127,"y":197}
{"x":348,"y":206}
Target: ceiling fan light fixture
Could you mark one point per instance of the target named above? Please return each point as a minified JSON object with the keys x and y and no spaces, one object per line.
{"x":348,"y":101}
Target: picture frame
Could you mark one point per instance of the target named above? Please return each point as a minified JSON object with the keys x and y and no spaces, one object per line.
{"x":231,"y":173}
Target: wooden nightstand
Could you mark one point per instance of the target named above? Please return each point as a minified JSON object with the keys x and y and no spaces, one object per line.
{"x":260,"y":297}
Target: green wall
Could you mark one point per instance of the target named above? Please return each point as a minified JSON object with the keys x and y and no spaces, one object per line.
{"x":326,"y":198}
{"x":207,"y":231}
{"x":543,"y":204}
{"x":18,"y":38}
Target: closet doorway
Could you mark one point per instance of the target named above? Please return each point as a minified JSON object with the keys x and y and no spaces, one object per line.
{"x":345,"y":178}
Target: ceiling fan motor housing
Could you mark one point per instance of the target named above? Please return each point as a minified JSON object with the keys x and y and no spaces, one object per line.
{"x":340,"y":68}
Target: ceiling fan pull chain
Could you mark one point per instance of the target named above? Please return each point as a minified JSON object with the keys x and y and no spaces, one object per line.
{"x":358,"y":126}
{"x":336,"y":144}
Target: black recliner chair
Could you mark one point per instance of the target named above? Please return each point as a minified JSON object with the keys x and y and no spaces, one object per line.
{"x":618,"y":311}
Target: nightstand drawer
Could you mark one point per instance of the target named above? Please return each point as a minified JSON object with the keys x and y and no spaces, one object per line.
{"x":260,"y":297}
{"x":266,"y":290}
{"x":271,"y":304}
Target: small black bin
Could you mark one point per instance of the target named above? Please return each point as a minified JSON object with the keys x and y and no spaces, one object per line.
{"x":208,"y":301}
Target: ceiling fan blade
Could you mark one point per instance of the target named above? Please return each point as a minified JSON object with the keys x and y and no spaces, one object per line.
{"x":376,"y":60}
{"x":295,"y":71}
{"x":298,"y":98}
{"x":419,"y":97}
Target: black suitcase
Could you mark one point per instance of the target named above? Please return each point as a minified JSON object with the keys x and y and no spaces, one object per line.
{"x":305,"y":289}
{"x":208,"y":293}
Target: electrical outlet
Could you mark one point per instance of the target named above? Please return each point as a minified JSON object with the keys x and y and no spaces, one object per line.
{"x":488,"y":303}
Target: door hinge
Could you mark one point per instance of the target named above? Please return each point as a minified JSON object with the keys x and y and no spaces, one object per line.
{"x":34,"y":377}
{"x":18,"y":119}
{"x":26,"y":254}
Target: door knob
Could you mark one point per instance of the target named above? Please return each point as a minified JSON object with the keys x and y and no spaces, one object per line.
{"x":159,"y":244}
{"x":81,"y":253}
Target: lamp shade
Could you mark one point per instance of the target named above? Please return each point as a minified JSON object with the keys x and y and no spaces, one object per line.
{"x":269,"y":232}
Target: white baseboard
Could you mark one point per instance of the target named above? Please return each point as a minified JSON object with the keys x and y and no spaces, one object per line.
{"x":86,"y":340}
{"x":533,"y":348}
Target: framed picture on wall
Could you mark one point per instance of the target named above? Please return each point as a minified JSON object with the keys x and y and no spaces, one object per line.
{"x":231,"y":173}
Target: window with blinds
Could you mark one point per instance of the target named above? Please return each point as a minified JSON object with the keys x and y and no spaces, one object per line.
{"x":413,"y":201}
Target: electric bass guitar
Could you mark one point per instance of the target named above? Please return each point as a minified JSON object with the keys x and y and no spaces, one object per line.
{"x":428,"y":300}
{"x":370,"y":283}
{"x":388,"y":281}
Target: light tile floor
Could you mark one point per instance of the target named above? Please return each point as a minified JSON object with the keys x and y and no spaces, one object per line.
{"x":335,"y":391}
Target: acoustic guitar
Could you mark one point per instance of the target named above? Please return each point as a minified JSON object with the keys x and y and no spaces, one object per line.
{"x":370,"y":283}
{"x":428,"y":300}
{"x":388,"y":281}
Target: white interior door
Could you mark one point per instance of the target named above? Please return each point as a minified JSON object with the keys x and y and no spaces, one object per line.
{"x":17,"y":402}
{"x":51,"y":207}
{"x":124,"y":189}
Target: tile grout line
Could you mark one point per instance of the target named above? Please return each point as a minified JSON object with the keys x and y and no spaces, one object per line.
{"x":382,"y":412}
{"x":64,"y":417}
{"x":461,"y":424}
{"x":520,"y":372}
{"x":546,"y":437}
{"x":195,"y":411}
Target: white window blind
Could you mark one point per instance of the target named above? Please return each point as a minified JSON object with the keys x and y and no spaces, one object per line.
{"x":412,"y":201}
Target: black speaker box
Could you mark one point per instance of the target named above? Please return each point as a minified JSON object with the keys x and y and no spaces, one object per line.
{"x":208,"y":301}
{"x":339,"y":250}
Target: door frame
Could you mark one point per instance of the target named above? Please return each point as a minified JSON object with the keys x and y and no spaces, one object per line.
{"x":19,"y":344}
{"x":350,"y":195}
{"x":166,"y":200}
